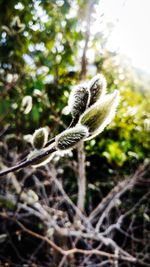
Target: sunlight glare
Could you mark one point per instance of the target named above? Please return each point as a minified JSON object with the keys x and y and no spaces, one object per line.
{"x":130,"y":35}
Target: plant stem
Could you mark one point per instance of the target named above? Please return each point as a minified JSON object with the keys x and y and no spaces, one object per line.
{"x":50,"y":142}
{"x":81,"y":177}
{"x":29,"y":161}
{"x":80,"y":150}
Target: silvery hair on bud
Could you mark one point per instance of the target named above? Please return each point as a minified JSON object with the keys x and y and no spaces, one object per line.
{"x":26,"y":104}
{"x":100,"y":114}
{"x":40,"y":138}
{"x":71,"y":137}
{"x":97,"y":87}
{"x":79,"y":99}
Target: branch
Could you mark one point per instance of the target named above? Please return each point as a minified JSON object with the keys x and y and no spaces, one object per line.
{"x":50,"y":142}
{"x":116,"y":193}
{"x":87,"y":36}
{"x":81,"y":177}
{"x":117,"y":225}
{"x":28,"y":162}
{"x":76,"y":250}
{"x":80,"y":150}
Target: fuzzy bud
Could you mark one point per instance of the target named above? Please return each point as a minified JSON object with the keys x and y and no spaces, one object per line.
{"x":97,"y":87}
{"x":78,"y":100}
{"x":100,"y":114}
{"x":26,"y":104}
{"x":40,"y":138}
{"x":71,"y":137}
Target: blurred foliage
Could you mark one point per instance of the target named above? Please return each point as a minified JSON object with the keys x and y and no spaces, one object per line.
{"x":127,"y":141}
{"x":43,"y":60}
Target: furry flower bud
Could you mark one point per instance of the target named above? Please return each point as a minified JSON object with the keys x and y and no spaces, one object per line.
{"x":78,"y":100}
{"x":26,"y":104}
{"x":100,"y":114}
{"x":40,"y":138}
{"x":71,"y":137}
{"x":97,"y":87}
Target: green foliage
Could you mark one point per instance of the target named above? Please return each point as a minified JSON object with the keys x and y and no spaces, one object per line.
{"x":40,"y":57}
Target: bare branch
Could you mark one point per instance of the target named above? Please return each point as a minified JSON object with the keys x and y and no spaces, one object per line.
{"x":28,"y":161}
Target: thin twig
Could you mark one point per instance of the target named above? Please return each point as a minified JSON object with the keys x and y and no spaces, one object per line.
{"x":76,"y":250}
{"x":29,"y":161}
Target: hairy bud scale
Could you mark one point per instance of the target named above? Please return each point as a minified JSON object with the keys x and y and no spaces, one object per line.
{"x":97,"y":88}
{"x":71,"y":137}
{"x":40,"y":138}
{"x":78,"y":100}
{"x":100,"y":114}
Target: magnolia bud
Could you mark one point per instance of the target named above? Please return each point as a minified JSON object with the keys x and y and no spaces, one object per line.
{"x":78,"y":100}
{"x":71,"y":137}
{"x":97,"y":88}
{"x":100,"y":114}
{"x":40,"y":138}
